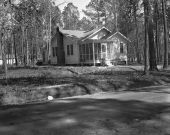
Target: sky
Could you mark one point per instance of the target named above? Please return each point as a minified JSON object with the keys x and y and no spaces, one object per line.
{"x":81,"y":4}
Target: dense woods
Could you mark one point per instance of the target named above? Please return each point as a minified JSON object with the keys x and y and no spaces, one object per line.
{"x":27,"y":26}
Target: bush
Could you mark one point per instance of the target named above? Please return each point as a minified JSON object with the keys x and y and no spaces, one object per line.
{"x":39,"y":63}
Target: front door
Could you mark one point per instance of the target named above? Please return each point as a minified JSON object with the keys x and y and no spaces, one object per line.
{"x":103,"y":50}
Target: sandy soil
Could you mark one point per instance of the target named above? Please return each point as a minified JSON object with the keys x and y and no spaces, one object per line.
{"x":35,"y":84}
{"x":136,"y":112}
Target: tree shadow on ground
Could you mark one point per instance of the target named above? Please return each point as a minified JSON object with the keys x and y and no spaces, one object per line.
{"x":112,"y":72}
{"x":162,"y":73}
{"x":35,"y":81}
{"x":140,"y":83}
{"x":156,"y":89}
{"x":48,"y":78}
{"x":99,"y":81}
{"x":74,"y":116}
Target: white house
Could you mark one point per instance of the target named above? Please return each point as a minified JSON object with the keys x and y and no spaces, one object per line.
{"x":73,"y":47}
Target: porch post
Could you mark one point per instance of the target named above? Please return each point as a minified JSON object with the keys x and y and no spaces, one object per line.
{"x":101,"y":49}
{"x":106,"y":50}
{"x":94,"y":63}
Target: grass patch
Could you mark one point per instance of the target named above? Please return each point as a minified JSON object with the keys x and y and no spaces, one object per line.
{"x":27,"y":85}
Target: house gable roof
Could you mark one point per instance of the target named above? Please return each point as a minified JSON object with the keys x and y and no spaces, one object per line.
{"x":73,"y":33}
{"x":94,"y":32}
{"x":119,"y":34}
{"x":82,"y":35}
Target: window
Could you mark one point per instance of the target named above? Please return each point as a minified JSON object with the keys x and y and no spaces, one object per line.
{"x":97,"y":50}
{"x":86,"y":52}
{"x":109,"y":50}
{"x":54,"y":49}
{"x":103,"y":48}
{"x":91,"y":51}
{"x":81,"y":53}
{"x":121,"y":47}
{"x":70,"y":50}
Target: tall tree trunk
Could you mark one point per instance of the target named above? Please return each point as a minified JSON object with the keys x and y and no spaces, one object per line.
{"x":12,"y":42}
{"x":146,"y":47}
{"x":49,"y":40}
{"x":165,"y":65}
{"x":137,"y":35}
{"x":15,"y":51}
{"x":22,"y":47}
{"x":35,"y":45}
{"x":12,"y":48}
{"x":116,"y":16}
{"x":32,"y":50}
{"x":4,"y":56}
{"x":157,"y":41}
{"x":156,"y":14}
{"x":8,"y":47}
{"x":98,"y":15}
{"x":105,"y":19}
{"x":27,"y":49}
{"x":0,"y":46}
{"x":152,"y":49}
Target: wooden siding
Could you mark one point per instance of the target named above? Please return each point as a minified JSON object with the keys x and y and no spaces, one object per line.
{"x":53,"y":45}
{"x":115,"y":48}
{"x":68,"y":48}
{"x":71,"y":59}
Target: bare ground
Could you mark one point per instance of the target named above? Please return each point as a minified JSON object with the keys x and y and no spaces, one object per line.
{"x":26,"y":85}
{"x":120,"y":113}
{"x":128,"y":103}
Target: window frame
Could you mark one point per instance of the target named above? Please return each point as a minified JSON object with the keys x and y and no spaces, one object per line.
{"x":53,"y":49}
{"x":70,"y":50}
{"x":56,"y":50}
{"x":121,"y":47}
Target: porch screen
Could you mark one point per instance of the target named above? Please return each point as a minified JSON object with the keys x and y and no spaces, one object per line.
{"x":86,"y":52}
{"x":97,"y":50}
{"x":109,"y":48}
{"x":70,"y":49}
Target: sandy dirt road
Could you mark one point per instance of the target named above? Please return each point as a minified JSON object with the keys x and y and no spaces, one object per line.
{"x":142,"y":112}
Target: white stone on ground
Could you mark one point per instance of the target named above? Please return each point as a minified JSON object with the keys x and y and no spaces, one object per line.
{"x":50,"y":98}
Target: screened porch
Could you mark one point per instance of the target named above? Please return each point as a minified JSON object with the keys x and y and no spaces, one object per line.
{"x":96,"y":51}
